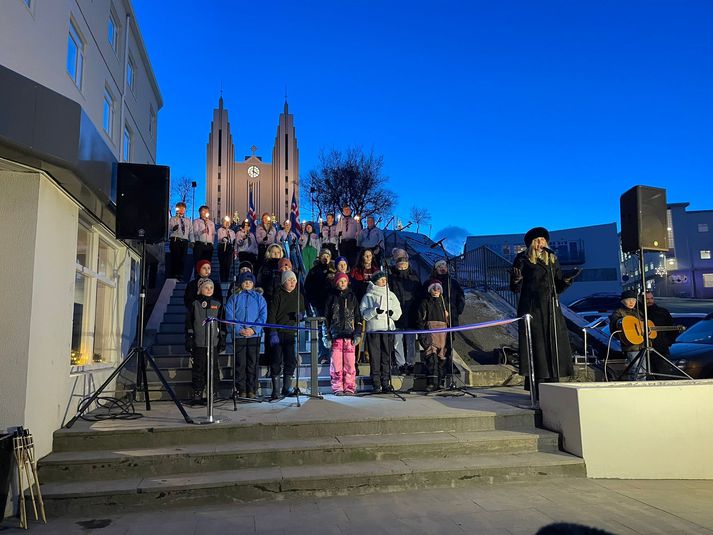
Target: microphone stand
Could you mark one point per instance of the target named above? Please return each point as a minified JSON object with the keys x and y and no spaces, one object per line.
{"x":451,"y":386}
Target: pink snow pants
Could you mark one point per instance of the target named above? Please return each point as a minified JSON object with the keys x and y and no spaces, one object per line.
{"x":342,"y":368}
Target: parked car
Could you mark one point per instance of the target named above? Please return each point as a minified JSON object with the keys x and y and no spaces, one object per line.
{"x":593,"y":306}
{"x":693,"y":350}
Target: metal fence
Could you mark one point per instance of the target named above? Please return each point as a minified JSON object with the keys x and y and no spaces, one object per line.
{"x":484,"y":269}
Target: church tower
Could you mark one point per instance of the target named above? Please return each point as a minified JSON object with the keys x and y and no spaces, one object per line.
{"x":229,"y":183}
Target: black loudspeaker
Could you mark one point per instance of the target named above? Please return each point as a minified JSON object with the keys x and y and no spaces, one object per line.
{"x":643,"y":219}
{"x":142,"y":202}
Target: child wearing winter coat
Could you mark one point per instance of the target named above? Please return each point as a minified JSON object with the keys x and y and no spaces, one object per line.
{"x":285,"y":308}
{"x":343,"y":334}
{"x":247,"y":304}
{"x":380,"y":308}
{"x":432,"y":314}
{"x":203,"y":307}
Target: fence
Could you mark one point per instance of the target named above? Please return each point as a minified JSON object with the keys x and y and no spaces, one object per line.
{"x":485,"y":270}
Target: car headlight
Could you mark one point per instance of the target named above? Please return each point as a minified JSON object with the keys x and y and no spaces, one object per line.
{"x":681,"y":363}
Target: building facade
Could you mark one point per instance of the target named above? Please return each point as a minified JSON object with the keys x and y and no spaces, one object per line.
{"x":77,"y":96}
{"x":229,"y":183}
{"x":686,"y":269}
{"x":593,"y":249}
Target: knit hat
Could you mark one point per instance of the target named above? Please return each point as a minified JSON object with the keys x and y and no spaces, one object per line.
{"x":287,"y":275}
{"x":537,"y":232}
{"x":435,"y":284}
{"x":204,"y":281}
{"x":200,"y":264}
{"x":246,"y":276}
{"x":284,"y":262}
{"x":397,"y":254}
{"x":340,"y":276}
{"x":628,"y":294}
{"x":440,"y":263}
{"x":245,"y":264}
{"x":340,"y":259}
{"x":378,"y":275}
{"x":325,"y":250}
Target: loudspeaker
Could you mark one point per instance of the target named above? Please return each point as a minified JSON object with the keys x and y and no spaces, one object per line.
{"x":643,"y":219}
{"x":142,"y":202}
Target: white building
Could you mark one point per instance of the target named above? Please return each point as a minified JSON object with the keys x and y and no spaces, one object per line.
{"x":77,"y":95}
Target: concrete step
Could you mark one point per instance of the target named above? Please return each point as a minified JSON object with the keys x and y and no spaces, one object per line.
{"x":276,"y":482}
{"x":189,"y":459}
{"x":123,"y":436}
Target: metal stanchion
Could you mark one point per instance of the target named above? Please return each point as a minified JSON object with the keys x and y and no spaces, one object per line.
{"x":534,"y":394}
{"x":209,"y":418}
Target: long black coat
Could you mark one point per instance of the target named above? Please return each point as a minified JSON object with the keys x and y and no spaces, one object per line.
{"x":407,"y":287}
{"x":549,"y":332}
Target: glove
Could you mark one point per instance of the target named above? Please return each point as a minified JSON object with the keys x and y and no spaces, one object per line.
{"x":516,"y":274}
{"x":390,"y":313}
{"x":190,"y":344}
{"x":379,"y":310}
{"x":174,"y":228}
{"x":274,"y":339}
{"x":356,"y":339}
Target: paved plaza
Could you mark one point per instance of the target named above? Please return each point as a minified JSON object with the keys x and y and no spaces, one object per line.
{"x":623,"y":507}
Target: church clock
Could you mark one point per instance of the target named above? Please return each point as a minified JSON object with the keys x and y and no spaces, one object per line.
{"x":253,"y":171}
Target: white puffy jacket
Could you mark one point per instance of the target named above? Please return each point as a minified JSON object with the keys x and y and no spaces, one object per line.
{"x":383,"y":298}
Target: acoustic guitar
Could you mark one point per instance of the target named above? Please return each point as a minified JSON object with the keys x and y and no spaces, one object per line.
{"x":633,"y":329}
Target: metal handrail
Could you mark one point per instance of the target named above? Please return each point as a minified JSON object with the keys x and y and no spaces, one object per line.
{"x":485,"y":270}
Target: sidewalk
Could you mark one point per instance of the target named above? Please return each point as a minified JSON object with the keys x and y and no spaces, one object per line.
{"x":618,"y":506}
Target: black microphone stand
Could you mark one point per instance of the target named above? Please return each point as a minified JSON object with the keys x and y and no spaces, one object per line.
{"x":451,"y":386}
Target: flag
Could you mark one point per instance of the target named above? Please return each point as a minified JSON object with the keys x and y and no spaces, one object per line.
{"x":295,"y":217}
{"x":251,"y":213}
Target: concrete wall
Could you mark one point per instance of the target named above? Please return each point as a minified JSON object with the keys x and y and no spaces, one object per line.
{"x":642,"y":430}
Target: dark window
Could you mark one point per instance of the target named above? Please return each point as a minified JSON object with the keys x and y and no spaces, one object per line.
{"x":286,"y":153}
{"x":220,"y":146}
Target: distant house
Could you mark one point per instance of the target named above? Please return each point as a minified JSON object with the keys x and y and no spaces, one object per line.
{"x":686,"y":269}
{"x":594,"y":249}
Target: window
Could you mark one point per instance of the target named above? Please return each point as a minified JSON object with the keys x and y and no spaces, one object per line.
{"x":112,"y":31}
{"x":108,"y":113}
{"x":130,"y":74}
{"x":702,"y":227}
{"x":705,"y":254}
{"x":28,"y":3}
{"x":126,"y":145}
{"x":708,"y":280}
{"x":95,"y":322}
{"x":75,"y":55}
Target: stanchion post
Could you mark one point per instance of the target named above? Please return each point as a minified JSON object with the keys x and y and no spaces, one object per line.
{"x":534,"y":394}
{"x":209,"y":381}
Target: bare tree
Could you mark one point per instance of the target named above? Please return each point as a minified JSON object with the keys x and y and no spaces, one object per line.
{"x":420,"y":216}
{"x":181,"y":190}
{"x":350,"y":177}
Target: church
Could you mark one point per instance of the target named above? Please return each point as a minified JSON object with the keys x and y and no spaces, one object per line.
{"x":230,"y":183}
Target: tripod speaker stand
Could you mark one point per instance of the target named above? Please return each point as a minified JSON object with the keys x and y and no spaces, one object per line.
{"x":142,"y":355}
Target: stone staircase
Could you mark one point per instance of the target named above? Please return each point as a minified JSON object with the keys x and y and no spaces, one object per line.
{"x":324,"y":448}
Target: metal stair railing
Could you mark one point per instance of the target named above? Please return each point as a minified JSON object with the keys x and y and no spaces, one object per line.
{"x":485,"y":270}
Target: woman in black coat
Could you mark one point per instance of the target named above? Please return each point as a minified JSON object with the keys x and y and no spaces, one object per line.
{"x":537,"y":277}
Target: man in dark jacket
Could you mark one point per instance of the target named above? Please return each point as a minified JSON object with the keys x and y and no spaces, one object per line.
{"x":664,"y":339}
{"x":404,"y":282}
{"x":285,"y":308}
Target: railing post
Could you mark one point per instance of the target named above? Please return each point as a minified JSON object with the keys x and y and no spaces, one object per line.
{"x":534,"y":394}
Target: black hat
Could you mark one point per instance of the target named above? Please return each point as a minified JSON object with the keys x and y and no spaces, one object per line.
{"x":628,"y":294}
{"x":245,"y":264}
{"x":537,"y":232}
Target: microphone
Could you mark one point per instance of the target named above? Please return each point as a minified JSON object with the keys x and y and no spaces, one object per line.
{"x":438,"y":243}
{"x":548,"y":250}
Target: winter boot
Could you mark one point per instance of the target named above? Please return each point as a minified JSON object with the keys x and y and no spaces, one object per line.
{"x":287,"y":386}
{"x":442,"y":373}
{"x":431,"y":375}
{"x":376,"y":381}
{"x":275,"y":388}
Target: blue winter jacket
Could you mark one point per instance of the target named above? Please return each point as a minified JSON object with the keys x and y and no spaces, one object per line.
{"x":246,"y":305}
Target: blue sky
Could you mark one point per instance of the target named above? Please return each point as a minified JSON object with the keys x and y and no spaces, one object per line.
{"x":497,"y":116}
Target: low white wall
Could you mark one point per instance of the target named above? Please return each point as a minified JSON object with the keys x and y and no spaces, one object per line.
{"x":634,"y":430}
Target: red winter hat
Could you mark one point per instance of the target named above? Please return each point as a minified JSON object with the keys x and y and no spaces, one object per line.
{"x":284,"y":262}
{"x":340,"y":276}
{"x":200,"y":264}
